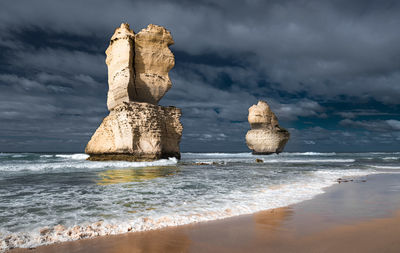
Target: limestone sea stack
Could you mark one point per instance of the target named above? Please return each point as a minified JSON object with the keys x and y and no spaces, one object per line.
{"x":266,"y":136}
{"x":137,"y":128}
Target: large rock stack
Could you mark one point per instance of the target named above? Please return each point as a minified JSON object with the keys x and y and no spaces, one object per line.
{"x":266,"y":136}
{"x":137,"y":128}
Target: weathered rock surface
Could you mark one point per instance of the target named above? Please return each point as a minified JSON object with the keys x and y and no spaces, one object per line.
{"x":265,"y":136}
{"x":137,"y":129}
{"x":121,"y":76}
{"x":153,"y":61}
{"x":137,"y":132}
{"x":138,"y":65}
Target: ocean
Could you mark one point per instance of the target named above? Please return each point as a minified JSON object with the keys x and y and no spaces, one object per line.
{"x":47,"y":198}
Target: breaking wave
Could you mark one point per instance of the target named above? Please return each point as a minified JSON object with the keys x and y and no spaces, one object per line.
{"x":71,"y":166}
{"x":95,"y":198}
{"x":309,"y":160}
{"x":74,"y":156}
{"x":233,"y":204}
{"x":391,"y":158}
{"x":385,"y":167}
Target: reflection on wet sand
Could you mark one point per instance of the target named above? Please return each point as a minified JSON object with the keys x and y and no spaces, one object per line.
{"x":240,"y":234}
{"x":172,"y":241}
{"x":302,"y":228}
{"x":165,"y":240}
{"x":244,"y":234}
{"x":118,"y":176}
{"x":273,"y":219}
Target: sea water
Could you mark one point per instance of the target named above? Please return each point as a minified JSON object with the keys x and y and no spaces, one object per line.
{"x":47,"y":198}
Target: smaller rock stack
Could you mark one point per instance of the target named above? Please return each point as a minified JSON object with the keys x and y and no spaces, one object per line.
{"x":266,"y":136}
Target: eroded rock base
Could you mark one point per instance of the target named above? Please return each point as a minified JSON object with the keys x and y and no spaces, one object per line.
{"x":263,"y":153}
{"x":266,"y":142}
{"x":136,"y":131}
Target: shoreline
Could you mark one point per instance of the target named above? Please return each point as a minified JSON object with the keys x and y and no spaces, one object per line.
{"x":59,"y":234}
{"x":314,"y":211}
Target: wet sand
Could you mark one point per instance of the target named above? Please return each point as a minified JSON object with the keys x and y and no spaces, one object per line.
{"x":358,"y":216}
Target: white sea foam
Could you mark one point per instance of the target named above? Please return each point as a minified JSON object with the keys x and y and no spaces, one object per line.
{"x":18,"y":156}
{"x":82,"y":164}
{"x":5,"y":155}
{"x":383,"y":153}
{"x":249,"y":154}
{"x":220,"y":155}
{"x":385,"y":167}
{"x":308,"y":160}
{"x":74,"y":156}
{"x":151,"y":198}
{"x":308,"y":154}
{"x":224,"y":158}
{"x":280,"y":160}
{"x":391,"y":158}
{"x":233,"y":204}
{"x":46,"y":156}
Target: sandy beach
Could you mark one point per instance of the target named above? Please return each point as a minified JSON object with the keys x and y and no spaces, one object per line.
{"x":199,"y":126}
{"x":362,"y":215}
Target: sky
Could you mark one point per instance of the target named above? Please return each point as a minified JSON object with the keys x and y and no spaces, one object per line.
{"x":330,"y":71}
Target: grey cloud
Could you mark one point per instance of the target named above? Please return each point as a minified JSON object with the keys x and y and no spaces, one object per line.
{"x":61,"y":61}
{"x":209,"y":112}
{"x":302,"y":108}
{"x":35,"y":118}
{"x":310,"y":47}
{"x":362,"y":112}
{"x":191,"y":92}
{"x":373,"y":125}
{"x":311,"y":52}
{"x":21,"y":83}
{"x":322,"y":139}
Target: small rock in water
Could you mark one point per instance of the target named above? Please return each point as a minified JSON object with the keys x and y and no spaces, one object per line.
{"x":342,"y":180}
{"x":259,"y":160}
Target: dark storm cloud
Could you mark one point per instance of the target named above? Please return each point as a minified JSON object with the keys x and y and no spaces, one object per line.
{"x":322,"y":139}
{"x":306,"y":58}
{"x":374,"y":125}
{"x":61,"y":61}
{"x":302,"y":45}
{"x":364,"y":112}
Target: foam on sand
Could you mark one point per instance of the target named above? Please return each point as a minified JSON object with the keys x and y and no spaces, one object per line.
{"x":233,"y":204}
{"x":102,"y":198}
